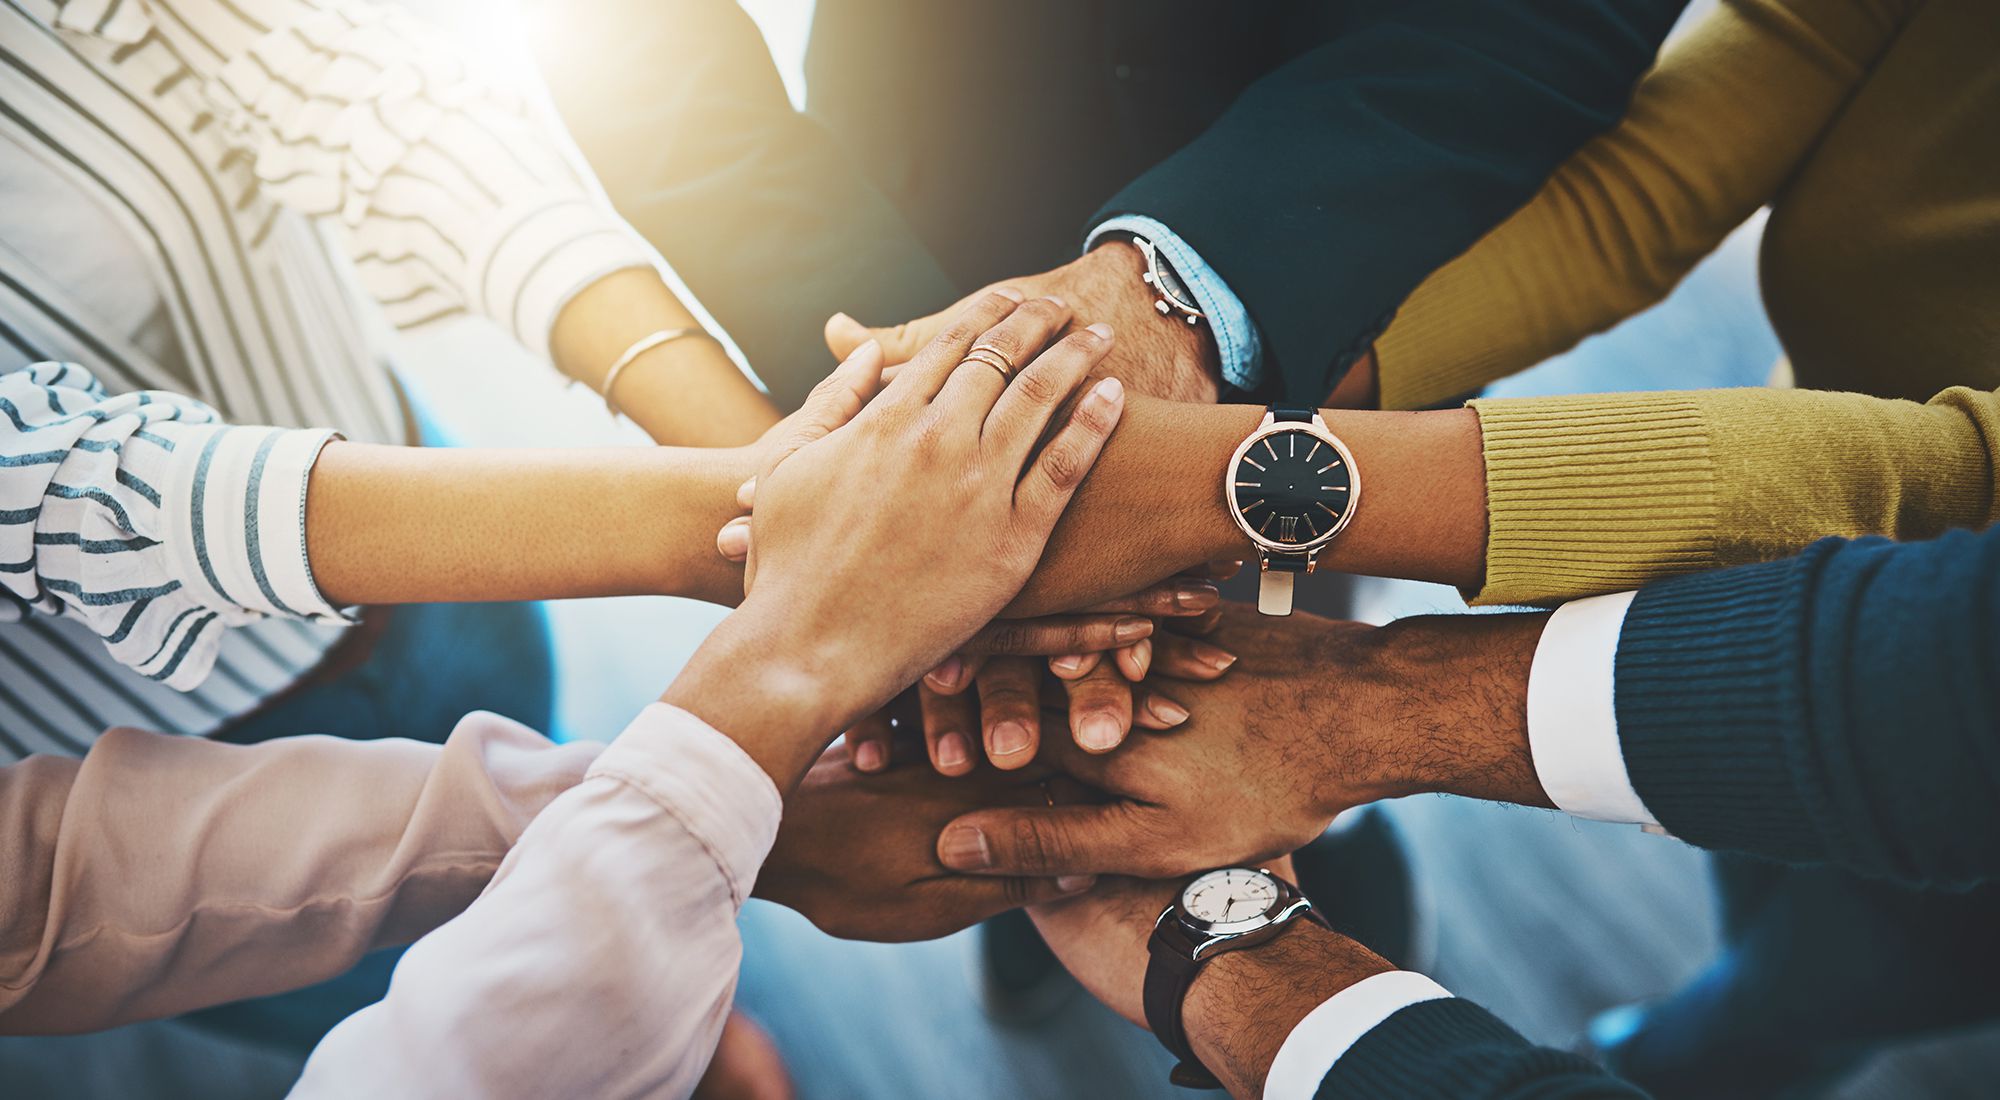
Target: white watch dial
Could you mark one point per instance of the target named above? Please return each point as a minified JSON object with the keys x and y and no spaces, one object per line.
{"x":1232,"y":896}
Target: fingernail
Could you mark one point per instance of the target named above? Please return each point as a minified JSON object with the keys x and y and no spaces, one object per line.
{"x":1110,"y":389}
{"x":1071,"y":664}
{"x":953,"y":751}
{"x":1141,"y":656}
{"x":1011,"y":294}
{"x":1009,"y":738}
{"x":868,"y":756}
{"x":1197,"y":596}
{"x":1103,"y":332}
{"x":1075,"y":884}
{"x":1217,"y":659}
{"x":945,"y":676}
{"x":872,"y":347}
{"x":1099,"y":733}
{"x":1058,"y":302}
{"x":1132,"y":629}
{"x":733,"y":541}
{"x":1168,"y":711}
{"x":964,"y":848}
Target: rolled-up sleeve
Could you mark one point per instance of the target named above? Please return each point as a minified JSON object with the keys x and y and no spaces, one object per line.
{"x":147,"y":520}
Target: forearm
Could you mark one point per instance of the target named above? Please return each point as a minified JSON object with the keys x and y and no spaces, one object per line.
{"x":387,"y":525}
{"x":144,"y":881}
{"x":1244,"y":1004}
{"x":686,"y":392}
{"x":1154,"y":503}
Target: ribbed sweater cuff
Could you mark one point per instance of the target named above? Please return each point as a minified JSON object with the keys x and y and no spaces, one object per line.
{"x":1447,"y":1049}
{"x":1593,"y":494}
{"x":1704,"y":689}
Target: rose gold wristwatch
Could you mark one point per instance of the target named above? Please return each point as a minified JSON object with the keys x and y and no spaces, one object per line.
{"x":1291,"y":487}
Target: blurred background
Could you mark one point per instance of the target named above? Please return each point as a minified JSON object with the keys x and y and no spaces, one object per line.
{"x":1543,"y":919}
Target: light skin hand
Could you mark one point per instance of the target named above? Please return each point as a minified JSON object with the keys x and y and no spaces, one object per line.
{"x":390,"y":525}
{"x":1241,"y":1006}
{"x":1317,"y":717}
{"x":1156,"y":355}
{"x":855,"y":855}
{"x":845,"y":603}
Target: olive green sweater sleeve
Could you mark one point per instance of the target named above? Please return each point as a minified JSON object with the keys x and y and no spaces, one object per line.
{"x":1602,"y":493}
{"x":1713,"y":133}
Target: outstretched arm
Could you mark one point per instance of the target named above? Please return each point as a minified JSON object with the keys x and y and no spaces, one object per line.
{"x":1538,"y":500}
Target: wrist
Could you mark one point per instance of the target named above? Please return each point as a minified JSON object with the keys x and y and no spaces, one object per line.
{"x":771,"y":688}
{"x":1244,"y":1004}
{"x":1118,"y":265}
{"x":1470,"y":735}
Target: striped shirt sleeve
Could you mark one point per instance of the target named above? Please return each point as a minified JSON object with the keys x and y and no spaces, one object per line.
{"x":454,"y":195}
{"x":142,"y":517}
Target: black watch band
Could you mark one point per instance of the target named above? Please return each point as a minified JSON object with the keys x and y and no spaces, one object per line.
{"x":1167,"y":981}
{"x":1293,"y":414}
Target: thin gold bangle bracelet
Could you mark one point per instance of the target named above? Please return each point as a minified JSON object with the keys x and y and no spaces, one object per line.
{"x":643,"y":345}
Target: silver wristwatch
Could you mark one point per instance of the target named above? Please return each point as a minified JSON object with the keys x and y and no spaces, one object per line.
{"x":1291,"y":487}
{"x":1171,"y":296}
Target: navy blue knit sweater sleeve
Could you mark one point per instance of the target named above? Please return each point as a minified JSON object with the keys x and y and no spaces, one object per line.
{"x":1334,"y":185}
{"x":1454,"y":1050}
{"x":1839,"y":707}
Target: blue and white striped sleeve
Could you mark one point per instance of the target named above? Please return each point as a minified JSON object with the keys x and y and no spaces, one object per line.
{"x":143,"y":517}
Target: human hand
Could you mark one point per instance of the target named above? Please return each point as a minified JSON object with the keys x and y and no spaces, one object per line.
{"x":1241,"y":1006}
{"x":1318,"y":716}
{"x":888,"y":531}
{"x":856,"y":853}
{"x":1156,"y":355}
{"x":1108,"y":694}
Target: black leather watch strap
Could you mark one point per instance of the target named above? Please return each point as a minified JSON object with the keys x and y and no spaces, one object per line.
{"x":1277,"y":561}
{"x":1167,"y":991}
{"x":1293,"y":414}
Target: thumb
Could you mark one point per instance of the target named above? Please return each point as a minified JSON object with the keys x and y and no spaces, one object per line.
{"x":900,"y":343}
{"x":1041,"y":841}
{"x":837,"y":399}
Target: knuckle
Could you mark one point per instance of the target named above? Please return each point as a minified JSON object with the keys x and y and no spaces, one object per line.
{"x":1063,"y":464}
{"x":1036,"y":849}
{"x":1007,"y":638}
{"x":1016,"y":891}
{"x":958,"y":332}
{"x":1038,"y":387}
{"x":996,"y":301}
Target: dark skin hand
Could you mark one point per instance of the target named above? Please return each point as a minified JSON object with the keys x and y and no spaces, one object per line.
{"x":1160,"y":356}
{"x":856,"y":853}
{"x":1241,"y":1006}
{"x":1318,"y":716}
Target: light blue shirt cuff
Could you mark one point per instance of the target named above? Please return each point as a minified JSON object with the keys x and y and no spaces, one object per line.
{"x":1236,"y":341}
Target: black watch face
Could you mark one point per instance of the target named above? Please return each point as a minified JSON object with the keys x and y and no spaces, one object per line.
{"x":1231,"y":899}
{"x":1293,"y":487}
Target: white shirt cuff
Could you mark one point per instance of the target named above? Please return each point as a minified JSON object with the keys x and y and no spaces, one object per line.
{"x":1572,"y":717}
{"x":1326,"y":1033}
{"x":706,"y":781}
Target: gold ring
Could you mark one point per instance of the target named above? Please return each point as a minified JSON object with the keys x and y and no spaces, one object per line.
{"x":999,"y":352}
{"x":989,"y":357}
